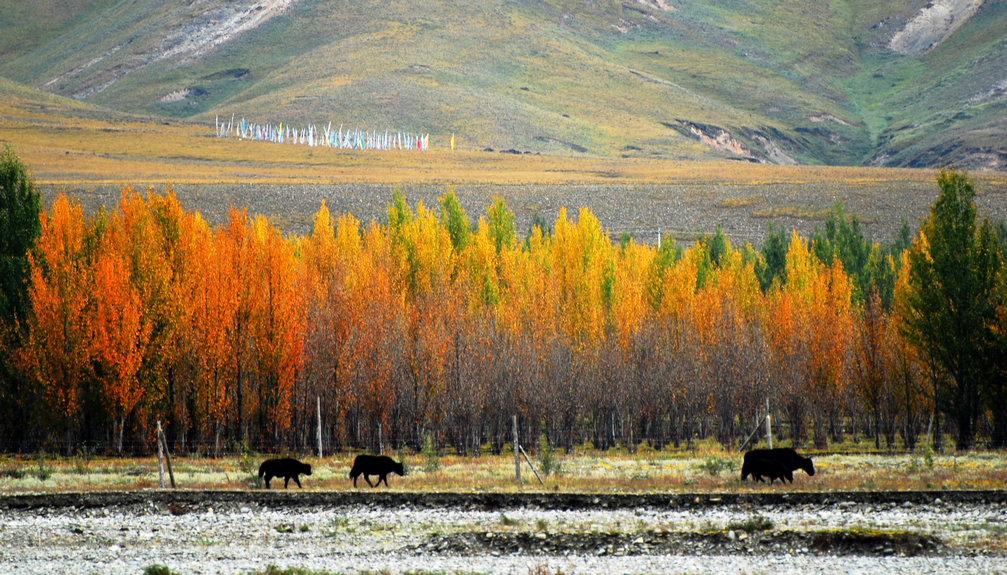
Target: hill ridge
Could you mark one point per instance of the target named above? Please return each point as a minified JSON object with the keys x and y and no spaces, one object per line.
{"x":853,"y":82}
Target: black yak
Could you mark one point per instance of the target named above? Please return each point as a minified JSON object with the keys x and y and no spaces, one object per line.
{"x":759,"y":468}
{"x":380,"y":465}
{"x":786,"y":456}
{"x":286,"y":468}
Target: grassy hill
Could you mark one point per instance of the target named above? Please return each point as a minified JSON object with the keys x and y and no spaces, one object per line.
{"x":780,"y":81}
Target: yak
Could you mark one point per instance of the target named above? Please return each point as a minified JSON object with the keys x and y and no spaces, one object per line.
{"x":771,"y":468}
{"x":286,"y":468}
{"x":785,"y":456}
{"x":380,"y":465}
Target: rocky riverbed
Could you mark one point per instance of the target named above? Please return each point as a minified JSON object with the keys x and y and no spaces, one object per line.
{"x":242,"y":532}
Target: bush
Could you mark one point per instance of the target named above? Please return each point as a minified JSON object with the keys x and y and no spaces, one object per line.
{"x":249,"y":468}
{"x":547,"y":457}
{"x":82,"y":460}
{"x":715,"y":465}
{"x":430,"y":454}
{"x":42,"y":471}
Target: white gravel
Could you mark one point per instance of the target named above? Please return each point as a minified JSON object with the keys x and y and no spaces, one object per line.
{"x":362,"y":538}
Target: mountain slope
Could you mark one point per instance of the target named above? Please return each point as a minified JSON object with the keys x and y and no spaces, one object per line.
{"x":837,"y":82}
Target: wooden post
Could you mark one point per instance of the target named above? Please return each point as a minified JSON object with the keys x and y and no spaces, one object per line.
{"x":517,"y":457}
{"x":167,"y":457}
{"x":769,"y":428}
{"x":160,"y":458}
{"x":530,"y":465}
{"x":319,"y":426}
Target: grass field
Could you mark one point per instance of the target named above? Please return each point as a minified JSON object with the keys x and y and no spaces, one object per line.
{"x":91,"y":154}
{"x":69,"y":144}
{"x":705,"y":470}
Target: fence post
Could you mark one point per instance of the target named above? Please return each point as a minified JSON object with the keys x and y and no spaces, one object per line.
{"x":769,"y":428}
{"x":517,"y":457}
{"x":167,"y":457}
{"x":526,"y":458}
{"x":160,"y":458}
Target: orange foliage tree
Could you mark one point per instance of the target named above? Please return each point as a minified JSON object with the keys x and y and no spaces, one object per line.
{"x":428,"y":325}
{"x":55,"y":354}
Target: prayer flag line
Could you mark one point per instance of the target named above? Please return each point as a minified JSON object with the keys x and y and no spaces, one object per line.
{"x":311,"y":136}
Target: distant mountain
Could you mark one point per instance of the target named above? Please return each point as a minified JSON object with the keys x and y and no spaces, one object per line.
{"x":858,"y":82}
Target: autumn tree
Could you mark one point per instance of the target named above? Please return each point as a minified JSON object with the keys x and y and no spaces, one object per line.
{"x":277,"y":318}
{"x":208,"y":343}
{"x":119,"y":333}
{"x":55,"y":353}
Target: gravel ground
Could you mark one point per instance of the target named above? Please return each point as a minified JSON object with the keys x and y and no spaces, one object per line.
{"x":684,"y":211}
{"x":207,"y":532}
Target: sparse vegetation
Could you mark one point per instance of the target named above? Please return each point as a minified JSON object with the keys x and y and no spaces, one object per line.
{"x":274,"y":570}
{"x":42,"y":472}
{"x":715,"y":465}
{"x":752,"y":524}
{"x":548,"y":463}
{"x":430,"y":457}
{"x":668,"y":470}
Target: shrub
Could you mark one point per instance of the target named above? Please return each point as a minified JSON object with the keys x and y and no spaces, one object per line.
{"x":82,"y":460}
{"x":42,"y":471}
{"x":715,"y":465}
{"x":547,"y":457}
{"x":430,"y":454}
{"x":249,"y":468}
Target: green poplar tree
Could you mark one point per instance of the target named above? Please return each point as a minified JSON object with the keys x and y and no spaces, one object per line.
{"x":20,"y":205}
{"x":455,"y":220}
{"x":953,"y":269}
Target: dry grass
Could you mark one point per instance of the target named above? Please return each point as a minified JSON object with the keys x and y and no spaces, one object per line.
{"x":68,"y":144}
{"x":704,"y":471}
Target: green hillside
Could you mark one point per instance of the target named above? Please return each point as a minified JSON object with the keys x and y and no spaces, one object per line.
{"x":780,"y":81}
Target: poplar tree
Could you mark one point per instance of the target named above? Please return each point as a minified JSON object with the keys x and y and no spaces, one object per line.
{"x":951,"y":306}
{"x":20,"y":205}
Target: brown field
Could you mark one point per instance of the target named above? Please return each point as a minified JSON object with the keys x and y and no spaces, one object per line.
{"x":706,"y":470}
{"x":92,"y":155}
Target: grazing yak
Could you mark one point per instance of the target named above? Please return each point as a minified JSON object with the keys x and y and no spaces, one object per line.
{"x":286,"y":468}
{"x":771,"y":468}
{"x":785,"y":456}
{"x":380,"y":465}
